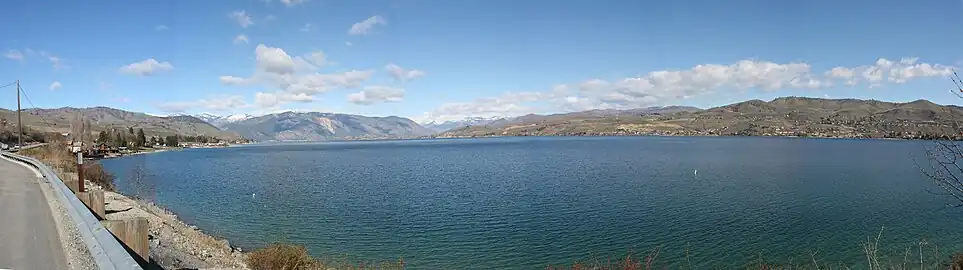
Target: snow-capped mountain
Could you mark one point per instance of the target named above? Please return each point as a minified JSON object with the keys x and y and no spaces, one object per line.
{"x":453,"y":124}
{"x":219,"y":121}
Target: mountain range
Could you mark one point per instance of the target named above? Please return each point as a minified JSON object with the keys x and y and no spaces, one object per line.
{"x":105,"y":118}
{"x":316,"y":126}
{"x":786,"y":116}
{"x":220,"y":121}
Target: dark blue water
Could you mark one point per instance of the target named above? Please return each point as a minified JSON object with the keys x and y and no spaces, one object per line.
{"x":524,"y":203}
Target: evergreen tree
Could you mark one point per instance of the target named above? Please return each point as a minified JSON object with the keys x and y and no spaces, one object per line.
{"x":171,"y":141}
{"x":141,"y":138}
{"x":103,"y":137}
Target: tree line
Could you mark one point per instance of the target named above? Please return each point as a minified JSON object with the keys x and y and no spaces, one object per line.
{"x":137,"y":139}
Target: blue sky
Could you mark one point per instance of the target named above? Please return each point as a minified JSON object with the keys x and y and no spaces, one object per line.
{"x":445,"y":60}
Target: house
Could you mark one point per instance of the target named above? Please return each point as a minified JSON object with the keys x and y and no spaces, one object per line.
{"x":76,"y":147}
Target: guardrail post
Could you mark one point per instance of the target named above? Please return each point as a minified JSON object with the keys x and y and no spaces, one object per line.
{"x":132,"y":233}
{"x":94,"y":199}
{"x":97,"y":204}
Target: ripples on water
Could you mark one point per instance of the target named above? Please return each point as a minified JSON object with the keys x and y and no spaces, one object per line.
{"x":528,"y":202}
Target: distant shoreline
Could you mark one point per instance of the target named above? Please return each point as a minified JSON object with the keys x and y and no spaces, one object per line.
{"x":665,"y":135}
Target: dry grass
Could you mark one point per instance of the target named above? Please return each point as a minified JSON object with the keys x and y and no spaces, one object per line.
{"x":63,"y":162}
{"x":281,"y":257}
{"x":292,"y":257}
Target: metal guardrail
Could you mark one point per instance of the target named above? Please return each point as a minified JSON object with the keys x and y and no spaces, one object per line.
{"x":107,"y":252}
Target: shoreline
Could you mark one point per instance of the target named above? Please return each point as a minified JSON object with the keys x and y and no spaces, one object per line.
{"x":175,"y":244}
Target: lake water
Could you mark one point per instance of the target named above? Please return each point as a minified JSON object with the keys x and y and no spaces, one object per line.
{"x":526,"y":202}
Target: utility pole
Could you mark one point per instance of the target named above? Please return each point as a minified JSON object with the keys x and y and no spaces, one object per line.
{"x":19,"y":120}
{"x":80,"y":155}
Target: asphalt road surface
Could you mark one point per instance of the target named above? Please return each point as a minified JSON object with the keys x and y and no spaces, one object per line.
{"x":28,"y":235}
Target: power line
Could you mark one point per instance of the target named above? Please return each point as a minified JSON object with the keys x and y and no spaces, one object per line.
{"x":35,"y":107}
{"x":9,"y":84}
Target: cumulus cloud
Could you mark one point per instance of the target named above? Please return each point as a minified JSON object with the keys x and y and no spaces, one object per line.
{"x":665,"y":86}
{"x":373,"y":94}
{"x":273,"y":60}
{"x":240,"y":39}
{"x":232,"y":80}
{"x":146,"y":68}
{"x":401,"y":74}
{"x":292,"y":3}
{"x":213,"y":103}
{"x":364,"y":27}
{"x":161,"y":27}
{"x":242,"y":18}
{"x":14,"y":55}
{"x":55,"y":85}
{"x":295,"y":77}
{"x":885,"y":70}
{"x":272,"y":100}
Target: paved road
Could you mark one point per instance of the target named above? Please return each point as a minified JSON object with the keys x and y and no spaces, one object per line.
{"x":28,"y":234}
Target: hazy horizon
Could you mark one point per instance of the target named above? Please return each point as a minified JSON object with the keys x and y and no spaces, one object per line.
{"x":438,"y":60}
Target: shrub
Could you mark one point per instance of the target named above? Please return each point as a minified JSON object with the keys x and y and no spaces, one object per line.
{"x":956,"y":262}
{"x":292,"y":257}
{"x":281,"y":257}
{"x":64,"y":162}
{"x":94,"y":172}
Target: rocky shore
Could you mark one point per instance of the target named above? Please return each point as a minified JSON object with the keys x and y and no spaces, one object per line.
{"x":173,"y":243}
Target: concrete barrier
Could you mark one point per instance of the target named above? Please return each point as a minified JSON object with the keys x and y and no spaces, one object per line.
{"x":107,"y":252}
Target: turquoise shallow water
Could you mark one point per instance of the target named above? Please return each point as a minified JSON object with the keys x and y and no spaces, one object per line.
{"x":524,"y":203}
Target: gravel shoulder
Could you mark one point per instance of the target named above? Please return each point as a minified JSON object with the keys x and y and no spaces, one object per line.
{"x":74,"y":249}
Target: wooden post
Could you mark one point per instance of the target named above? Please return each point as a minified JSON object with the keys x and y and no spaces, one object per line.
{"x":97,"y":204}
{"x":80,"y":169}
{"x":132,"y":233}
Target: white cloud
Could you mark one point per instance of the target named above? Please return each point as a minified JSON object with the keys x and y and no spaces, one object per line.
{"x":55,"y":85}
{"x":212,"y":103}
{"x":14,"y":55}
{"x":272,"y":100}
{"x":147,"y":67}
{"x":273,"y":60}
{"x":887,"y":70}
{"x":665,"y":86}
{"x":348,"y":43}
{"x":294,"y":77}
{"x":161,"y":27}
{"x":317,"y":58}
{"x":231,"y":80}
{"x":57,"y":62}
{"x":292,"y":3}
{"x":240,"y":39}
{"x":242,"y":18}
{"x":306,"y":28}
{"x":364,"y":27}
{"x":373,"y":94}
{"x":402,"y":74}
{"x":269,"y":18}
{"x":593,"y":85}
